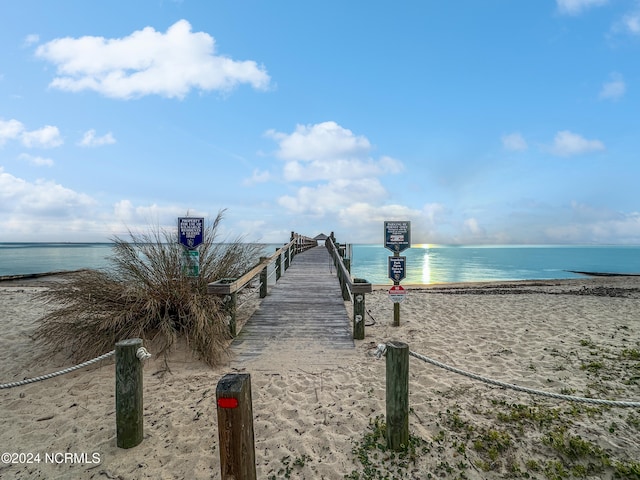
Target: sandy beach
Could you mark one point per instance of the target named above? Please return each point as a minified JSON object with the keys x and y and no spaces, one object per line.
{"x":316,"y":411}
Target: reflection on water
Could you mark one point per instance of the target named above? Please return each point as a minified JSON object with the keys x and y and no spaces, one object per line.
{"x":426,"y":267}
{"x":427,"y":264}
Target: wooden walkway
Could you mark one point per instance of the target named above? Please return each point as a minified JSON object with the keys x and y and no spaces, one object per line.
{"x":302,"y":319}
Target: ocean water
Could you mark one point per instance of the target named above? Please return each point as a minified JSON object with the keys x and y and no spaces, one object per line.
{"x":29,"y":258}
{"x":425,"y":264}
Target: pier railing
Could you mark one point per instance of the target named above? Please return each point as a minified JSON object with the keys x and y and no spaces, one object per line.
{"x":228,"y":288}
{"x":353,"y":289}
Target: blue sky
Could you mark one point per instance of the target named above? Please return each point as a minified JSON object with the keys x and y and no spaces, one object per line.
{"x":481,"y":122}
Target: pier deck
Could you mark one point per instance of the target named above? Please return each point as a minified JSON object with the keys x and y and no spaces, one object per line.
{"x":303,"y":319}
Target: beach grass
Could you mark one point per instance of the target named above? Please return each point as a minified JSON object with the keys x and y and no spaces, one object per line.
{"x":146,"y":294}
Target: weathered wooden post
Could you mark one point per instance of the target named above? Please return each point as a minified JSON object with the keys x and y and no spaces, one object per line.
{"x":235,"y":427}
{"x":278,"y":267}
{"x":396,"y":314}
{"x":129,"y":405}
{"x":346,"y":279}
{"x":397,"y":396}
{"x":360,"y":287}
{"x":339,"y":273}
{"x":230,"y":307}
{"x":264,"y":279}
{"x":287,"y":260}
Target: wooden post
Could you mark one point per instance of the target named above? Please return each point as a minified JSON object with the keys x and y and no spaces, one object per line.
{"x":345,"y":280}
{"x":129,"y":406}
{"x":235,"y":427}
{"x":278,"y":267}
{"x":287,"y":260}
{"x":264,"y":279}
{"x":230,"y":304}
{"x":396,"y":314}
{"x":397,"y":396}
{"x":358,"y":316}
{"x":359,"y":288}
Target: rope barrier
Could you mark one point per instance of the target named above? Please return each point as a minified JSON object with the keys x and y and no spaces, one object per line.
{"x":143,"y":354}
{"x":66,"y":370}
{"x":372,"y":319}
{"x":612,"y":403}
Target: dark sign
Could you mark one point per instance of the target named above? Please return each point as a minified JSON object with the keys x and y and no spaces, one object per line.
{"x":397,"y":268}
{"x":191,"y":231}
{"x":397,"y":236}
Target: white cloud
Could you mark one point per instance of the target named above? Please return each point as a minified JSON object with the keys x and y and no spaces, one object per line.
{"x":48,"y":211}
{"x":90,"y":140}
{"x":42,"y":197}
{"x":148,"y":62}
{"x":342,"y":180}
{"x":566,"y":144}
{"x":10,"y":130}
{"x":614,"y":89}
{"x":326,"y":140}
{"x":630,"y":23}
{"x":46,"y":137}
{"x":35,"y":160}
{"x":31,"y":39}
{"x":361,"y":214}
{"x":364,"y":221}
{"x":472,"y":226}
{"x":257,"y":176}
{"x":327,"y":151}
{"x":588,"y":224}
{"x":338,"y":168}
{"x":139,"y":218}
{"x":575,"y":7}
{"x":514,"y":142}
{"x":333,"y":196}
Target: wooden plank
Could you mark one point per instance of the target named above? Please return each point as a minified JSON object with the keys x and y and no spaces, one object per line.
{"x":304,"y":309}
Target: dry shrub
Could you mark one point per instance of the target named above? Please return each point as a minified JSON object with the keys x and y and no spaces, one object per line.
{"x":146,"y":294}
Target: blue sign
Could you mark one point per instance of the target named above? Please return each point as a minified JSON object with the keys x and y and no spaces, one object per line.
{"x":397,"y":268}
{"x":397,"y":236}
{"x":191,"y":231}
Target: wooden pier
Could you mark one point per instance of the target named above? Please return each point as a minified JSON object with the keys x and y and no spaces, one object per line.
{"x":303,"y":320}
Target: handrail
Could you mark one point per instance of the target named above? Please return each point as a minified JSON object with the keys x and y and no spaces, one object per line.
{"x":353,"y":289}
{"x":299,"y":243}
{"x":223,"y":288}
{"x":229,"y":287}
{"x":354,"y":285}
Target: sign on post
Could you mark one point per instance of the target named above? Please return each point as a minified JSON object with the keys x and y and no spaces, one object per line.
{"x":397,"y":238}
{"x":397,"y":268}
{"x":397,"y":293}
{"x":191,"y":265}
{"x":191,"y":231}
{"x":397,"y":235}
